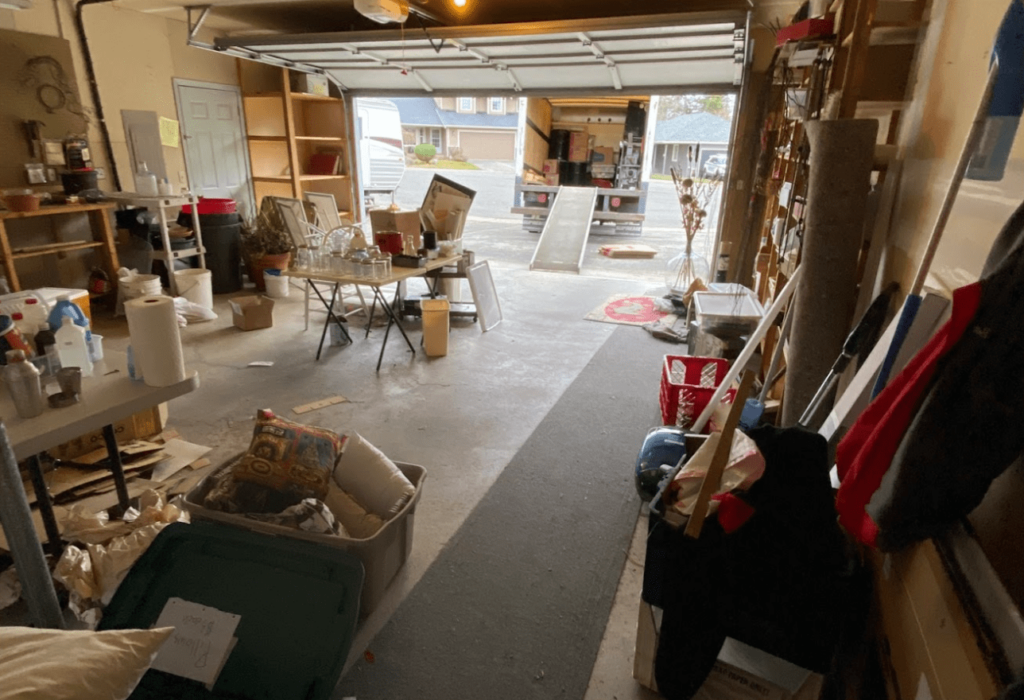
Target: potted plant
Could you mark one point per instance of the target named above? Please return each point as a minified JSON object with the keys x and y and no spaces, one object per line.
{"x":266,"y":244}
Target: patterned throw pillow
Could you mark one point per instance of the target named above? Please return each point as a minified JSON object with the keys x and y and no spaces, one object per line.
{"x":293,"y":459}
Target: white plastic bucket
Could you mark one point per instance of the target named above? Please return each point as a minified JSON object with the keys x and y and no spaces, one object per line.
{"x":196,"y":285}
{"x":277,"y":286}
{"x":143,"y":285}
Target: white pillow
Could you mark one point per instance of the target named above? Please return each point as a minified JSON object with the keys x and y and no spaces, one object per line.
{"x":63,"y":665}
{"x":353,"y":517}
{"x":371,"y":478}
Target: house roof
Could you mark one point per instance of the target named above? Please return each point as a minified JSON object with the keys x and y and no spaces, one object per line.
{"x":423,"y":111}
{"x":699,"y":127}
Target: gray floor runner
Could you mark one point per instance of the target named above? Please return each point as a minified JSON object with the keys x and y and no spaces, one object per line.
{"x":516,"y":604}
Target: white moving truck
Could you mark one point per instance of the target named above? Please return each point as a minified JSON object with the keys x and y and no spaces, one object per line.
{"x":379,"y":134}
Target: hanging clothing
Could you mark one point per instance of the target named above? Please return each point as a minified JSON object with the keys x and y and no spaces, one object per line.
{"x":924,"y":452}
{"x":773,"y":583}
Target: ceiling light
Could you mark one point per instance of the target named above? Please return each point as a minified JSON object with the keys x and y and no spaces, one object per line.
{"x":459,"y":3}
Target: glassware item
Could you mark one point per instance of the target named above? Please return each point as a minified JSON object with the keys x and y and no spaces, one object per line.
{"x":379,"y":268}
{"x":684,"y":270}
{"x":366,"y":269}
{"x":339,"y":240}
{"x":337,"y":263}
{"x":22,"y":380}
{"x":302,"y":258}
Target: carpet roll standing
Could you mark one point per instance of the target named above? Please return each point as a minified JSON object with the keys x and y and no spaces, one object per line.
{"x":840,"y":177}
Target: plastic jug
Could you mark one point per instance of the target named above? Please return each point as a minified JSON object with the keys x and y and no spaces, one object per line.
{"x":24,"y":326}
{"x":35,"y":312}
{"x":145,"y":182}
{"x":22,"y":380}
{"x":66,"y":307}
{"x":72,"y":346}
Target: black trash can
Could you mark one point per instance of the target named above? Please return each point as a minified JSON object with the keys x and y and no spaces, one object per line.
{"x":223,"y":249}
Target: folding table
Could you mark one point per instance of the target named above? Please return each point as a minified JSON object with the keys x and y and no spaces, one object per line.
{"x":398,"y":274}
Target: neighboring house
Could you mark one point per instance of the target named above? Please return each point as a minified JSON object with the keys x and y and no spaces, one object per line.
{"x":478,"y":128}
{"x":673,"y":137}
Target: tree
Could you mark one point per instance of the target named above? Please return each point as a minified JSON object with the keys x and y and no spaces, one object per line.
{"x":670,"y":106}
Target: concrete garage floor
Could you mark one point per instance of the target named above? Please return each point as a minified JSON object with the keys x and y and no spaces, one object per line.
{"x":462,"y":416}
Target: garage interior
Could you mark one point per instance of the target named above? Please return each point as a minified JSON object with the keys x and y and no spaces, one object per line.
{"x":873,"y":155}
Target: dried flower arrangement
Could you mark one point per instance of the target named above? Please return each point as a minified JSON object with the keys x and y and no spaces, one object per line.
{"x":695,"y":194}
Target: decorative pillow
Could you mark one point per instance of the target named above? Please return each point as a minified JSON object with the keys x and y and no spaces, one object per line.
{"x":371,"y":478}
{"x":290,"y":458}
{"x":62,"y":665}
{"x":353,"y":517}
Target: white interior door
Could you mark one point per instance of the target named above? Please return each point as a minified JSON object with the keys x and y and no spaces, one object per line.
{"x":213,"y":136}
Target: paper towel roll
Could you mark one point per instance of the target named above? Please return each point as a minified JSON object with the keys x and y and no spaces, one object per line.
{"x":156,"y":341}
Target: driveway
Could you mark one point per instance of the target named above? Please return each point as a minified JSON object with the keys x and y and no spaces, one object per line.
{"x":497,"y":234}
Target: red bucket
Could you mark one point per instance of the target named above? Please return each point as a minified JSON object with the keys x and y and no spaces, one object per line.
{"x":208,"y":205}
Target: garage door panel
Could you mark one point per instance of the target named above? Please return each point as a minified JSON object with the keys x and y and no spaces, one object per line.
{"x":683,"y":73}
{"x":541,"y":57}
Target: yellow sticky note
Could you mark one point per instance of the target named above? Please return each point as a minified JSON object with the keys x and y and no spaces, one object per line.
{"x":169,"y":132}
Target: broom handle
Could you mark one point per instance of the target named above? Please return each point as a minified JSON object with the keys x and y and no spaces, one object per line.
{"x":713,"y":476}
{"x":970,"y":146}
{"x":748,"y":350}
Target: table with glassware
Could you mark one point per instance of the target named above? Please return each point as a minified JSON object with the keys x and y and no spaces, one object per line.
{"x":374,"y":277}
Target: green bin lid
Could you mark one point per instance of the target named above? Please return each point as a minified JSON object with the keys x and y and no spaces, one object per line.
{"x":298,"y":602}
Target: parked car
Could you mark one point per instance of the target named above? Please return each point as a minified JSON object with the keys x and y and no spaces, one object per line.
{"x":381,"y":156}
{"x":715,"y":166}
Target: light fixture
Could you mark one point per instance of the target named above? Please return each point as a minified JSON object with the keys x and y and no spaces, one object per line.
{"x":382,"y":11}
{"x":459,"y":3}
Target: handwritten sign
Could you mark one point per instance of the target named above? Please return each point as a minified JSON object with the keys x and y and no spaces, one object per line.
{"x":201,"y":641}
{"x":169,"y":135}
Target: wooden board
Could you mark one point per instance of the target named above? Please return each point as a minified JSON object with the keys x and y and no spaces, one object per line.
{"x":535,"y":152}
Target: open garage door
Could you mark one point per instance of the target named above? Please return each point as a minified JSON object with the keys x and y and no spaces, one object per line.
{"x":630,"y":55}
{"x":488,"y":145}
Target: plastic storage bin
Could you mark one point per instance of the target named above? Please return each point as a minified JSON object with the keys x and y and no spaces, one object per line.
{"x":435,"y":326}
{"x":382,"y":555}
{"x":692,"y":393}
{"x":726,"y":314}
{"x":297,"y":602}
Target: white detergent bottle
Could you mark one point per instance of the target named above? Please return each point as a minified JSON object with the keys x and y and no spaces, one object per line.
{"x":72,"y":348}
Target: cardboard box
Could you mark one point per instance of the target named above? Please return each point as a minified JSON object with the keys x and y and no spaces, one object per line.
{"x":604,"y":155}
{"x":404,"y":221}
{"x":310,"y":84}
{"x":579,"y":146}
{"x":252,"y":312}
{"x":551,"y":166}
{"x":551,"y":180}
{"x":141,"y":425}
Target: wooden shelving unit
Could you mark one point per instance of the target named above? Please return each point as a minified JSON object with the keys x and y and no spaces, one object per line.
{"x":286,"y":129}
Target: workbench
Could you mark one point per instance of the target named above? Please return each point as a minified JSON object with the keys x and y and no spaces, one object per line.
{"x":107,"y":397}
{"x":99,"y":222}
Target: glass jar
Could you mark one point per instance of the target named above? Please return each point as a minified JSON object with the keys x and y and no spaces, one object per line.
{"x":365,"y":269}
{"x":302,"y":258}
{"x":337,"y":263}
